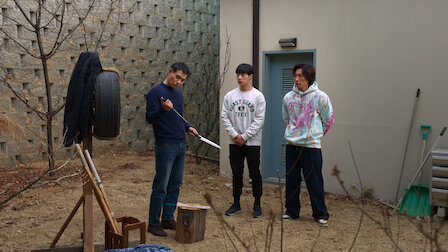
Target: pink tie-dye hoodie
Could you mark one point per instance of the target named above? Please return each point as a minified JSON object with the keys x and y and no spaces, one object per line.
{"x":308,"y":116}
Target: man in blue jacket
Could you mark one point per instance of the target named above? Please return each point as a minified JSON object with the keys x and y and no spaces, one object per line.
{"x":169,"y":132}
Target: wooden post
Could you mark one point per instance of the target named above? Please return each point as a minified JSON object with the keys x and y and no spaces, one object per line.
{"x":88,"y":203}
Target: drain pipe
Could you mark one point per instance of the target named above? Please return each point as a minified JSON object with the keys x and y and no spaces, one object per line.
{"x":256,"y":41}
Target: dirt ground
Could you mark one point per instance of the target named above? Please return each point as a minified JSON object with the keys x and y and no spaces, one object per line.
{"x":32,"y":219}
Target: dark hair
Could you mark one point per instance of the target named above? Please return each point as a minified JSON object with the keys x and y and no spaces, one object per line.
{"x":245,"y":69}
{"x":182,"y":67}
{"x":308,"y":72}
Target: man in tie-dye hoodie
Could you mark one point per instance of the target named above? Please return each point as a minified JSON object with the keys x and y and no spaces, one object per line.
{"x":308,"y":114}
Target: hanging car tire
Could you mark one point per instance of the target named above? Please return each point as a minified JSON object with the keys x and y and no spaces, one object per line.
{"x":107,"y":106}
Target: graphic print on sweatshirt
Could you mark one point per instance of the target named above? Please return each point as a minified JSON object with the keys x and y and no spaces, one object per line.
{"x":305,"y":108}
{"x":241,"y":107}
{"x":304,"y":112}
{"x":308,"y":115}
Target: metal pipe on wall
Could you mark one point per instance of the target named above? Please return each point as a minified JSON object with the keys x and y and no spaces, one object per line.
{"x":256,"y":41}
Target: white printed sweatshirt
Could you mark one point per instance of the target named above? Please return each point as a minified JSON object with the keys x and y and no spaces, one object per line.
{"x":243,"y":113}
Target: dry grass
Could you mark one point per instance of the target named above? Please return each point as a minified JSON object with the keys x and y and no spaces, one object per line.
{"x":10,"y":128}
{"x":33,"y":219}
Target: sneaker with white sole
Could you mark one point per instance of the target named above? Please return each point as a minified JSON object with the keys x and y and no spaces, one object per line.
{"x":286,"y":217}
{"x":323,"y":222}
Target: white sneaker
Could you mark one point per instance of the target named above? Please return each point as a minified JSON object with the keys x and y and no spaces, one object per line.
{"x":286,"y":217}
{"x":323,"y":222}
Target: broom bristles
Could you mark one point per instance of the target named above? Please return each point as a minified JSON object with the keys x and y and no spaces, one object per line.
{"x":10,"y":128}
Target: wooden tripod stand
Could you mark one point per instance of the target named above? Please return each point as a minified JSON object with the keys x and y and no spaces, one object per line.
{"x":92,"y":183}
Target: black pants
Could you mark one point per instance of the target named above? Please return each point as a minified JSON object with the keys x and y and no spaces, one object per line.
{"x":237,"y":155}
{"x":308,"y":161}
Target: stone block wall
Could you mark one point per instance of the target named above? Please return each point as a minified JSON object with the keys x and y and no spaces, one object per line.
{"x":141,"y":40}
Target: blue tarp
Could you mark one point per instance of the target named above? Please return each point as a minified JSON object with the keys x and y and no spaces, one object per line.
{"x":143,"y":248}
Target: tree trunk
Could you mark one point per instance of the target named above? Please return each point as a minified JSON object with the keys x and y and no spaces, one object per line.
{"x":49,"y":115}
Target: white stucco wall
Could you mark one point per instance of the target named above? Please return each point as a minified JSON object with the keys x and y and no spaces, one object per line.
{"x":371,"y":56}
{"x":239,"y":28}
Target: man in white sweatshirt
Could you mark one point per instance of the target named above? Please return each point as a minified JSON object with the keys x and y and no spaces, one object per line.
{"x":242,"y":114}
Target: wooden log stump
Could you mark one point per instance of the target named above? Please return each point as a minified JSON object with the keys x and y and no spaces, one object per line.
{"x":190,"y":223}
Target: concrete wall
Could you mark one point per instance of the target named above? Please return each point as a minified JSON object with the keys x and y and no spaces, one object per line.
{"x":150,"y":35}
{"x":236,"y":20}
{"x":371,"y":56}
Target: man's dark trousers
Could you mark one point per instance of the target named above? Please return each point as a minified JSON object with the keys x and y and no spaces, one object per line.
{"x":308,"y":161}
{"x":237,"y":155}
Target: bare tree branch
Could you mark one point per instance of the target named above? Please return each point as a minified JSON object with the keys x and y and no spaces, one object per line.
{"x":18,"y":43}
{"x":211,"y":84}
{"x":335,"y":172}
{"x":55,"y":181}
{"x":24,"y":15}
{"x":357,"y":231}
{"x":61,"y":24}
{"x":4,"y":191}
{"x":53,"y":13}
{"x":104,"y":24}
{"x":25,"y":188}
{"x":361,"y":192}
{"x":356,"y":167}
{"x":30,"y":185}
{"x":227,"y":56}
{"x":23,"y":99}
{"x":269,"y":231}
{"x":433,"y":238}
{"x":281,"y":209}
{"x":208,"y":198}
{"x":58,"y":109}
{"x":58,"y":43}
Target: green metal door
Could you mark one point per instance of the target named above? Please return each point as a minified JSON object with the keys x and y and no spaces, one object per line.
{"x":277,"y":81}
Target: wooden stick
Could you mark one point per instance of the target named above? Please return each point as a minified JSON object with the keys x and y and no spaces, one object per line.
{"x":87,"y":208}
{"x":67,"y":221}
{"x":87,"y":215}
{"x":97,"y":177}
{"x":101,"y":201}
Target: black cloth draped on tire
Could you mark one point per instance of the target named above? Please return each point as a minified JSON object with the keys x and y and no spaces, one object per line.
{"x":78,"y":113}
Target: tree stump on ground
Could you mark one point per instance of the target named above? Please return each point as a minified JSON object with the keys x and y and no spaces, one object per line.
{"x":190,"y":223}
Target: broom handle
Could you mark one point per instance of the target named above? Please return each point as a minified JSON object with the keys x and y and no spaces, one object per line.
{"x":111,"y":221}
{"x":421,"y":167}
{"x":100,"y":185}
{"x":98,"y":180}
{"x":407,"y":143}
